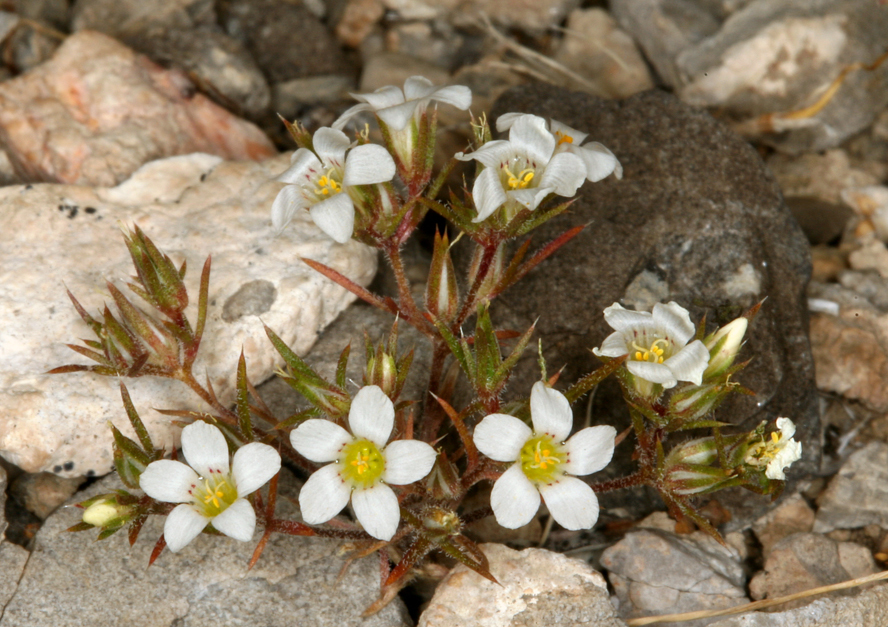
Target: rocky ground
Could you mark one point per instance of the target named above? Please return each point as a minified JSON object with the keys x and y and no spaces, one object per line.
{"x":753,"y":135}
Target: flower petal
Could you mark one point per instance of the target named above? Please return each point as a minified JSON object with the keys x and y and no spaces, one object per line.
{"x":565,"y":173}
{"x":789,"y":453}
{"x":288,"y":201}
{"x":550,"y":412}
{"x":349,"y":113}
{"x":368,"y":164}
{"x":372,"y":415}
{"x":398,"y":116}
{"x":514,"y":499}
{"x":254,"y":465}
{"x":458,"y":96}
{"x":335,"y":216}
{"x":571,"y":502}
{"x":488,"y":194}
{"x":787,"y":428}
{"x":238,"y":521}
{"x":319,"y":440}
{"x":377,"y":510}
{"x":560,"y":130}
{"x":407,"y":461}
{"x":205,"y":448}
{"x":675,"y":321}
{"x":589,"y":450}
{"x":689,"y":363}
{"x":530,"y":198}
{"x":599,"y":161}
{"x":330,"y":144}
{"x":529,"y":136}
{"x":506,"y":120}
{"x":417,"y":87}
{"x":655,"y":373}
{"x":614,"y":345}
{"x":491,"y":155}
{"x":324,"y":495}
{"x":500,"y":437}
{"x":387,"y":96}
{"x":303,"y":164}
{"x":626,"y":321}
{"x":168,"y":481}
{"x":182,"y":526}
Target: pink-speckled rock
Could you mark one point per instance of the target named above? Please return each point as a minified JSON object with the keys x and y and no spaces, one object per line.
{"x":97,"y":111}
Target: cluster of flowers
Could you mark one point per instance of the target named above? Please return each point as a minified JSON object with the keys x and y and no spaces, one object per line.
{"x":348,"y":187}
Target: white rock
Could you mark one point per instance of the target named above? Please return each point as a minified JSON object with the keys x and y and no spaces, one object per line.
{"x":537,"y":587}
{"x":59,"y":236}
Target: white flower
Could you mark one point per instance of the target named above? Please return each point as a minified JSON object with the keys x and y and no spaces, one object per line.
{"x":778,"y":453}
{"x":731,"y":338}
{"x":206,"y":488}
{"x":523,"y":170}
{"x":363,"y":466}
{"x":599,"y":161}
{"x":322,"y":185}
{"x":396,"y":108}
{"x":657,"y":344}
{"x":544,"y":462}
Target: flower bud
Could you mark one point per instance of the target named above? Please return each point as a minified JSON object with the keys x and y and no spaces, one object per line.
{"x":723,"y":346}
{"x":106,"y":511}
{"x":382,"y":371}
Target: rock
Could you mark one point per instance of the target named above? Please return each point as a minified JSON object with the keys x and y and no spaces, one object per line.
{"x":658,"y":572}
{"x":534,"y":16}
{"x":858,"y":495}
{"x":797,"y":563}
{"x":191,"y":206}
{"x":436,"y":43}
{"x":290,"y":97}
{"x":4,"y":479}
{"x":357,"y":19}
{"x":295,"y":582}
{"x":12,"y":563}
{"x":823,"y":176}
{"x":53,"y":12}
{"x":871,"y":204}
{"x":29,"y":44}
{"x":663,"y":29}
{"x":285,"y":38}
{"x":488,"y":80}
{"x":780,"y":56}
{"x":597,"y":49}
{"x":536,"y":587}
{"x":126,"y":17}
{"x":75,"y":119}
{"x":393,"y":68}
{"x":42,"y":493}
{"x":857,"y":560}
{"x":822,"y":222}
{"x":794,"y":515}
{"x":696,"y":219}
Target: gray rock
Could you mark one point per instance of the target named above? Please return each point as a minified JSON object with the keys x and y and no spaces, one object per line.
{"x":12,"y":564}
{"x":778,"y":56}
{"x":393,"y":68}
{"x":536,"y":587}
{"x":867,"y":608}
{"x":30,"y":44}
{"x":290,"y":97}
{"x":356,"y":19}
{"x":127,"y":17}
{"x":71,"y":580}
{"x":698,"y":219}
{"x":858,"y":495}
{"x":800,"y":562}
{"x":794,"y":515}
{"x":98,"y":111}
{"x":43,"y":492}
{"x":657,"y":572}
{"x":4,"y":480}
{"x":53,"y":12}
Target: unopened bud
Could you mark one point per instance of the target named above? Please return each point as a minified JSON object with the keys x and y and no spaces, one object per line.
{"x":104,"y":511}
{"x":382,"y":371}
{"x":723,"y":346}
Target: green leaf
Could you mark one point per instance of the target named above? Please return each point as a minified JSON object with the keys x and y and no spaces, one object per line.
{"x":243,"y":401}
{"x":137,"y":424}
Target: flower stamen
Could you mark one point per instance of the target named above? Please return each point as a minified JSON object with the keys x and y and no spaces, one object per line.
{"x":522,"y":180}
{"x":653,"y":354}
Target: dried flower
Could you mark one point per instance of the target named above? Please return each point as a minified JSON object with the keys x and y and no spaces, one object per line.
{"x":363,"y":465}
{"x":208,"y":490}
{"x":777,"y":454}
{"x":544,"y":462}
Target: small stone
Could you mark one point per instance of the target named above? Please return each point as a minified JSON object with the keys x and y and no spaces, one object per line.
{"x":125,"y":17}
{"x":871,"y":204}
{"x":857,"y":560}
{"x":290,"y":97}
{"x":797,"y":563}
{"x":53,"y":12}
{"x":823,"y":176}
{"x":536,"y":587}
{"x":823,"y":222}
{"x":533,"y":16}
{"x":190,"y":206}
{"x":858,"y":495}
{"x":436,"y":43}
{"x":42,"y":493}
{"x":794,"y":515}
{"x":392,"y":68}
{"x":827,"y":263}
{"x":357,"y":20}
{"x":658,"y":572}
{"x":97,"y":111}
{"x":597,"y":49}
{"x":29,"y":45}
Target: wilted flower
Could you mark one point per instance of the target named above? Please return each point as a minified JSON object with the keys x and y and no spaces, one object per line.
{"x":208,"y":490}
{"x":544,"y":462}
{"x":778,"y":453}
{"x":600,"y":162}
{"x":324,"y":183}
{"x":363,"y":466}
{"x":657,"y":344}
{"x":522,"y":171}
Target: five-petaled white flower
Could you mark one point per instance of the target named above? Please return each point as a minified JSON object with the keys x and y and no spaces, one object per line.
{"x":521,"y":171}
{"x":600,"y":162}
{"x":396,"y":108}
{"x":363,"y":465}
{"x":778,"y":453}
{"x":208,"y":490}
{"x":544,"y":462}
{"x":322,"y":183}
{"x":657,"y":344}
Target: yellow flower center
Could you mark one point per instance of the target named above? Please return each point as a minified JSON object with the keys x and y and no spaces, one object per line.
{"x":540,"y":459}
{"x":654,"y":353}
{"x":521,"y":181}
{"x":362,"y":463}
{"x":563,"y":139}
{"x":763,"y":452}
{"x":215,"y":495}
{"x":327,"y":186}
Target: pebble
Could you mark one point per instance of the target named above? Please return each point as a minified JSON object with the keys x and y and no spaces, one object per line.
{"x":858,"y":495}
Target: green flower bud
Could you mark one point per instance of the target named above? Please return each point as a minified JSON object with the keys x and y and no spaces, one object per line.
{"x":723,"y":347}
